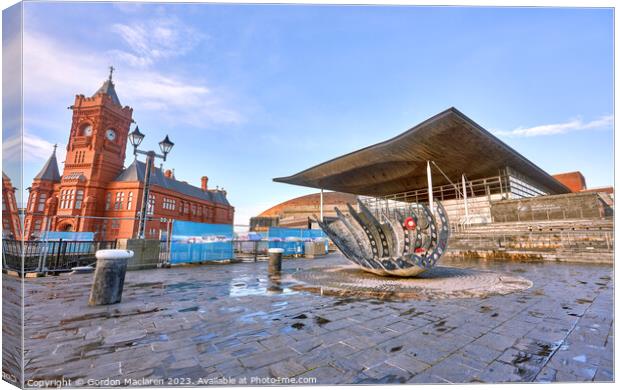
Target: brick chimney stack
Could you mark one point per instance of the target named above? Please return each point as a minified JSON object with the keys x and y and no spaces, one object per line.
{"x":204,"y":181}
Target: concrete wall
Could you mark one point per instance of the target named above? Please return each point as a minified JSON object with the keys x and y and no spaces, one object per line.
{"x":146,"y":252}
{"x":576,"y":205}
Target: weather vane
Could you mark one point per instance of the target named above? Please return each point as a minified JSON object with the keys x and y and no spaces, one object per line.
{"x":111,"y":71}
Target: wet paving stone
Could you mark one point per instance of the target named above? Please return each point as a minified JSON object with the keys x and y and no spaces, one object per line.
{"x":228,"y":320}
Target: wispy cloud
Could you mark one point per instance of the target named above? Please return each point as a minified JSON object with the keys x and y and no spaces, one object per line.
{"x":35,"y":148}
{"x":559,"y":128}
{"x":172,"y":98}
{"x":153,"y":40}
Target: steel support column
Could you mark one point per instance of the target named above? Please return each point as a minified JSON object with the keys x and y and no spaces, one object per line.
{"x":465,"y":198}
{"x":429,"y":178}
{"x":321,"y":205}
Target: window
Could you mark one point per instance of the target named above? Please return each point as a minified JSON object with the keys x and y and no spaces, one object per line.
{"x":79,"y":156}
{"x":37,"y":225}
{"x":193,"y":209}
{"x":108,"y":199}
{"x":64,"y":199}
{"x":153,"y":233}
{"x":118,"y":201}
{"x":129,"y":200}
{"x":68,"y":204}
{"x":32,"y":200}
{"x":150,"y":206}
{"x":116,"y":224}
{"x":79,"y":197}
{"x":169,"y":204}
{"x":199,"y":210}
{"x":42,"y":198}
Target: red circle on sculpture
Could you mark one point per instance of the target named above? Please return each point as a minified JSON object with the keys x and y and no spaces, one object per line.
{"x":409,"y":223}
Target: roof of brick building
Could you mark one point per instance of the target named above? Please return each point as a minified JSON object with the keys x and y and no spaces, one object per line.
{"x":108,"y":89}
{"x":50,"y":169}
{"x":135,"y":172}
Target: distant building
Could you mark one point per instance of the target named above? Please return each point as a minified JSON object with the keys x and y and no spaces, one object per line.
{"x":11,"y":224}
{"x":96,"y":193}
{"x":573,"y":180}
{"x":576,"y":182}
{"x":298,"y":212}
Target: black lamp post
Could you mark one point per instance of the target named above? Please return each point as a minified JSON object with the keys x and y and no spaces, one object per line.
{"x":135,"y":138}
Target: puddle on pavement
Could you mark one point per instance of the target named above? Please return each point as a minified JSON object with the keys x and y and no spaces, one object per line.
{"x":184,"y":286}
{"x":247,"y":286}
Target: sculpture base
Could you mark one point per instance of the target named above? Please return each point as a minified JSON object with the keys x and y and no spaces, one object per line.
{"x":435,"y":283}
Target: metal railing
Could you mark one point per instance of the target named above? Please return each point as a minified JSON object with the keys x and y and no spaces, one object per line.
{"x":50,"y":256}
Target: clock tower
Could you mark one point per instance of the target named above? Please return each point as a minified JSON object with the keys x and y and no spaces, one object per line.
{"x":95,"y":151}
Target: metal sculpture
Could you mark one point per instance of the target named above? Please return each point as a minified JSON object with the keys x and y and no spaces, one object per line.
{"x":402,"y":246}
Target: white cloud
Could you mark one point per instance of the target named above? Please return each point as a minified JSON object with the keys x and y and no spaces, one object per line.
{"x":153,"y":40}
{"x":35,"y":148}
{"x":55,"y":71}
{"x":559,"y":128}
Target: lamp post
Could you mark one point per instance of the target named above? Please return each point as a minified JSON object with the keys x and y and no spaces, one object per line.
{"x":135,"y":138}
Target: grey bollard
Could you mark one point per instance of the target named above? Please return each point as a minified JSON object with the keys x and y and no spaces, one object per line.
{"x":109,"y":276}
{"x":275,"y":261}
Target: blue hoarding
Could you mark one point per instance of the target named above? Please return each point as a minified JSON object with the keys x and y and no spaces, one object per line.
{"x":292,"y":240}
{"x":194,"y":242}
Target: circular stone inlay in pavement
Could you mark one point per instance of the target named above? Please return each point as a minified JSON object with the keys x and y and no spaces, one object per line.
{"x":436,"y":283}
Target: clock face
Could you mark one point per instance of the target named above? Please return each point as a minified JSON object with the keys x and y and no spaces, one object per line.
{"x":110,"y":134}
{"x":88,"y":131}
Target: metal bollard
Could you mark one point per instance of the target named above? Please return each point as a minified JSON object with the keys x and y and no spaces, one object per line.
{"x":275,"y":261}
{"x":109,"y":276}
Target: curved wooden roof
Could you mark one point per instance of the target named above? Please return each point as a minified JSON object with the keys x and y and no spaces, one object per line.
{"x":452,"y":140}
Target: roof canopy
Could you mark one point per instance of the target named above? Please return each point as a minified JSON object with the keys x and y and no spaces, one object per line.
{"x":453,"y":141}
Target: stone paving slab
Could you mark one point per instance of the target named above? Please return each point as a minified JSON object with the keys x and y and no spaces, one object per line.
{"x":195,"y":324}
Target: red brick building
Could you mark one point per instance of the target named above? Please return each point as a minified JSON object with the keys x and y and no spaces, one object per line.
{"x":11,"y":224}
{"x":96,"y":193}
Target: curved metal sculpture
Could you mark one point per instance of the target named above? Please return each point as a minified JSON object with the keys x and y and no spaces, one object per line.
{"x":403,"y":246}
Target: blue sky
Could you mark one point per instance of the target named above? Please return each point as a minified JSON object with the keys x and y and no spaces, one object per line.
{"x":251,"y":92}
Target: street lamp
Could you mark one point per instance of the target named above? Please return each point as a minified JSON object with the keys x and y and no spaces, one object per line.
{"x":135,"y":138}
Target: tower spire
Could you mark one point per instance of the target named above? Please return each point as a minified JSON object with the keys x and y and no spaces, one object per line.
{"x":108,"y":88}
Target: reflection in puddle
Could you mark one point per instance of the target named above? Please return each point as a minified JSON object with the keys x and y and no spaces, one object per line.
{"x":245,"y":285}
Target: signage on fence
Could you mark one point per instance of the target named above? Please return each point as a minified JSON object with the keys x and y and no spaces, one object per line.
{"x":68,"y":236}
{"x":292,"y":240}
{"x":192,"y":242}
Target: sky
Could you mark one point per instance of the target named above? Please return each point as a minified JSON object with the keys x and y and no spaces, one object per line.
{"x":252,"y":92}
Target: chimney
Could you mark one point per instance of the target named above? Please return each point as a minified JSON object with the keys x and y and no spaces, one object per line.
{"x":204,"y":181}
{"x":168,"y":173}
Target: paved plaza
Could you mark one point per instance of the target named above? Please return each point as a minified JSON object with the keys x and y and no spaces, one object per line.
{"x":199,"y":324}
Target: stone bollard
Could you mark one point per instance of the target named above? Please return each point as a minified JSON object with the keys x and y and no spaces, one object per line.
{"x":275,"y":261}
{"x":109,"y":276}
